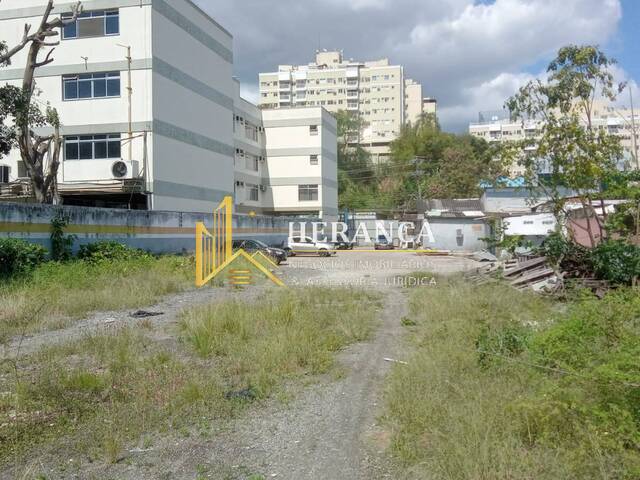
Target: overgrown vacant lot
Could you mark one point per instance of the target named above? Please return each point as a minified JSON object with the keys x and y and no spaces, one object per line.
{"x":97,"y":397}
{"x":55,"y":293}
{"x":506,"y":385}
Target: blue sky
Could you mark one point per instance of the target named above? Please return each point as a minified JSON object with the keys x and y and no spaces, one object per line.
{"x":469,"y":54}
{"x":625,"y":46}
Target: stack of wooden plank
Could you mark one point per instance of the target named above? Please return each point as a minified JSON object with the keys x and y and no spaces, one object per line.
{"x":533,"y":273}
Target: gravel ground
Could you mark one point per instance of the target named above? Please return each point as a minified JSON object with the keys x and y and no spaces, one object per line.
{"x":328,"y":431}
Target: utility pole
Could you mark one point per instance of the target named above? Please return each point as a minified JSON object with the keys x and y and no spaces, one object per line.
{"x":633,"y":130}
{"x":129,"y":95}
{"x":418,"y":173}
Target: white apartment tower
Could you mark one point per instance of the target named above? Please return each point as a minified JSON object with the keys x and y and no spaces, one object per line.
{"x":189,"y":125}
{"x":375,"y":90}
{"x":498,"y":127}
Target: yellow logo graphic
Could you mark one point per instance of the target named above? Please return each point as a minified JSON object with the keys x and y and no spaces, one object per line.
{"x":214,"y":251}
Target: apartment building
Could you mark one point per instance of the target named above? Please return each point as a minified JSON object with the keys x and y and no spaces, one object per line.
{"x":497,"y":126}
{"x":285,"y":160}
{"x":413,"y":105}
{"x":178,"y":148}
{"x":430,"y":106}
{"x":375,"y":90}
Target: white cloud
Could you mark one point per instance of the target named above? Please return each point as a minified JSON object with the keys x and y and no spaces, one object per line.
{"x":359,"y":4}
{"x":490,"y":95}
{"x":620,"y":76}
{"x":466,"y":53}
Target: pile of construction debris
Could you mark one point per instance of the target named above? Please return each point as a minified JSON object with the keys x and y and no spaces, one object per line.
{"x":534,"y":273}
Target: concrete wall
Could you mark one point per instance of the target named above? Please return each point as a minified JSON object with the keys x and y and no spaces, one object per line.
{"x":445,"y":233}
{"x":157,"y":231}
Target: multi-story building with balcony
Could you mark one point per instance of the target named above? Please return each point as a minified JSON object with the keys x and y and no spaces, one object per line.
{"x":376,"y":91}
{"x":184,"y":138}
{"x":497,"y":126}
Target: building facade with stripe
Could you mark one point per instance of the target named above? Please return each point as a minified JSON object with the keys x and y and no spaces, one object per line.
{"x":184,"y":138}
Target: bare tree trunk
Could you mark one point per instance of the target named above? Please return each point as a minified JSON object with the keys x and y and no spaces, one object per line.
{"x":35,"y":148}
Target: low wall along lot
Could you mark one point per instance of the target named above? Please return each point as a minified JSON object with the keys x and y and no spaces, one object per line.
{"x":155,"y":231}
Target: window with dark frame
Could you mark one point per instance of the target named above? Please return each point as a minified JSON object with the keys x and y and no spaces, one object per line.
{"x":307,"y":193}
{"x":253,"y":192}
{"x":92,"y":147}
{"x":4,"y":173}
{"x":98,"y":23}
{"x":91,"y":85}
{"x":314,"y":159}
{"x":313,"y":130}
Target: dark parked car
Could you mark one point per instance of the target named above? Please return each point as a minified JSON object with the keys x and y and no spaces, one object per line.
{"x":250,"y":246}
{"x":382,"y":243}
{"x":341,"y":245}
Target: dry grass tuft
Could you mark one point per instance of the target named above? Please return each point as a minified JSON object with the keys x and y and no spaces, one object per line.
{"x":99,"y":396}
{"x":56,"y":294}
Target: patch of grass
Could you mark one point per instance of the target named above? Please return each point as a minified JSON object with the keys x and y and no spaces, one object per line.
{"x":97,"y":395}
{"x":482,"y":397}
{"x":101,"y":395}
{"x":56,"y":293}
{"x":293,"y":332}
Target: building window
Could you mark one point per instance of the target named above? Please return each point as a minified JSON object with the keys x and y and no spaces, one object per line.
{"x":314,"y":159}
{"x":251,"y":162}
{"x":313,"y":130}
{"x":92,"y":147}
{"x":91,"y":85}
{"x":98,"y":23}
{"x":4,"y":173}
{"x":22,"y":170}
{"x":307,"y":193}
{"x":251,"y":131}
{"x":252,"y":192}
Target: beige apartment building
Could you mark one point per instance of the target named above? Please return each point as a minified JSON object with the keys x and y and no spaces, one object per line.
{"x":498,"y":127}
{"x":376,"y":91}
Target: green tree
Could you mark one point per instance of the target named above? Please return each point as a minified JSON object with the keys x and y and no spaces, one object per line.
{"x":434,"y":164}
{"x":357,"y":180}
{"x":569,"y":152}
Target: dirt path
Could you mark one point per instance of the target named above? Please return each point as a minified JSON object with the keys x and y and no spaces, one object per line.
{"x":329,"y":431}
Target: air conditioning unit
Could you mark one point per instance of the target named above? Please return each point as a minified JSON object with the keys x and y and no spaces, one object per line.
{"x":239,"y":184}
{"x":124,"y":169}
{"x":263,"y":188}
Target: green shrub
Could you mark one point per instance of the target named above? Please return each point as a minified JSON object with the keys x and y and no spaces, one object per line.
{"x":109,"y":251}
{"x":18,"y":257}
{"x":616,"y":261}
{"x":557,"y":395}
{"x":597,"y":344}
{"x":506,"y":341}
{"x":61,"y":244}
